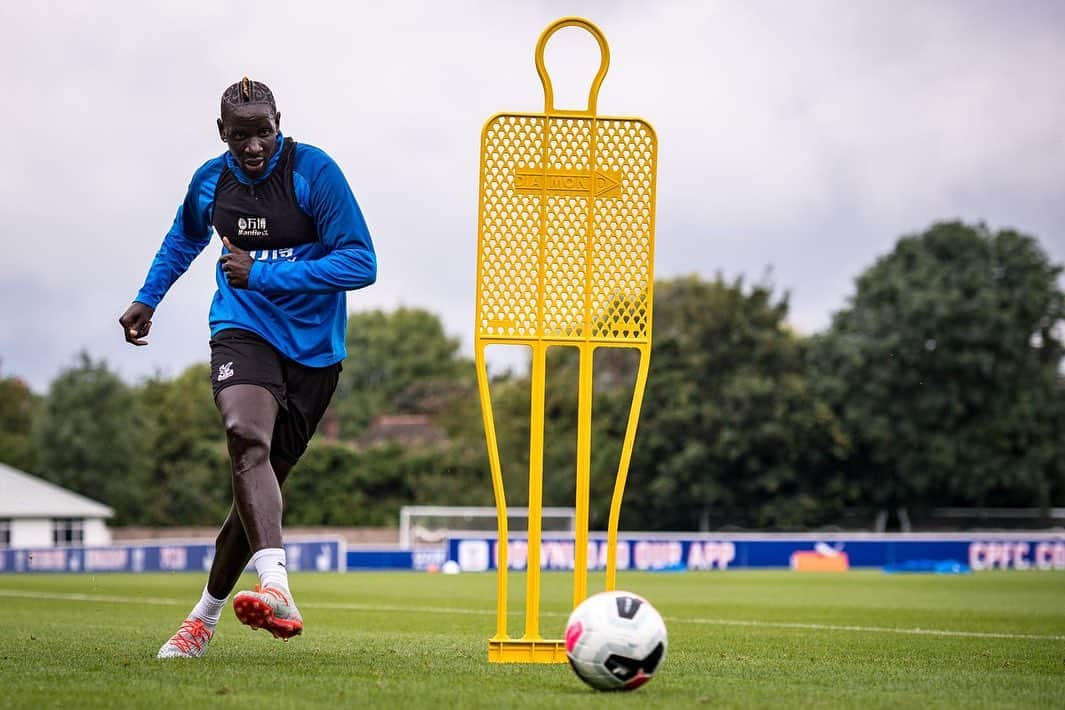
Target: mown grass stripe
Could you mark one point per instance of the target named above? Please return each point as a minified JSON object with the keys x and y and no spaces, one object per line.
{"x":162,"y":601}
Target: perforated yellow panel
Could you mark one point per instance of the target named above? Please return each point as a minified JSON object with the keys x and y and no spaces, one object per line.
{"x":565,"y":251}
{"x":566,"y":229}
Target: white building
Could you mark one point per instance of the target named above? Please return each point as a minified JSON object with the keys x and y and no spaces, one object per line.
{"x":36,"y":513}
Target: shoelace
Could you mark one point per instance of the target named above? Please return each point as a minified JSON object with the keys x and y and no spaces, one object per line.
{"x":192,"y":635}
{"x":272,"y":591}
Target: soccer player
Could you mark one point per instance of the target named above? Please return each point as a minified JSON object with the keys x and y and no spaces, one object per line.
{"x":294,"y":241}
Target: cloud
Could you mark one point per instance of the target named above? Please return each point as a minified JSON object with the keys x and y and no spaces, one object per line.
{"x":802,"y":136}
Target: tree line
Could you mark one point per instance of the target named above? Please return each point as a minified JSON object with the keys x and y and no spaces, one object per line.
{"x":938,"y":384}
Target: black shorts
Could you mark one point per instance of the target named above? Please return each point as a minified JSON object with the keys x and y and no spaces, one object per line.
{"x":240,"y":357}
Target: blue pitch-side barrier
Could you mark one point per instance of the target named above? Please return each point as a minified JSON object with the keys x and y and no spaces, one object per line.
{"x":304,"y":555}
{"x":639,"y":552}
{"x":1007,"y":551}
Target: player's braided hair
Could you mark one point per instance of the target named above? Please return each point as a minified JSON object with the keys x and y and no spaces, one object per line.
{"x":247,"y":91}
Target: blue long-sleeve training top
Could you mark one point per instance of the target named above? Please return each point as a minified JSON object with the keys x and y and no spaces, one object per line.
{"x":307,"y":236}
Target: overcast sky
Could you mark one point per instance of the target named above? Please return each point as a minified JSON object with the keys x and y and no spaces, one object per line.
{"x":798,"y":137}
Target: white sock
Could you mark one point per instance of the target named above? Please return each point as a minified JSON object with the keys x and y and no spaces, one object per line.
{"x":270,"y":564}
{"x":208,"y":609}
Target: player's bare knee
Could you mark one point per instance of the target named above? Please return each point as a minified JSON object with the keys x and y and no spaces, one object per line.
{"x":249,"y":443}
{"x":245,"y":432}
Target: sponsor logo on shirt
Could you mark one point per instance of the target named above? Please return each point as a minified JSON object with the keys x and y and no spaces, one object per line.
{"x":287,"y":254}
{"x":252,"y":227}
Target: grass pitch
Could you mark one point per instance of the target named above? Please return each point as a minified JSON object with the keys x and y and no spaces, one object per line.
{"x":412,"y":640}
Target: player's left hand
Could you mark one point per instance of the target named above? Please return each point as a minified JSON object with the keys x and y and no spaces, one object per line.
{"x":236,"y":265}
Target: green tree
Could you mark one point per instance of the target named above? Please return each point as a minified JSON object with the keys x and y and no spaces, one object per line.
{"x":613,"y":382}
{"x":90,"y":438}
{"x":944,"y":369}
{"x":731,"y":431}
{"x":400,"y":362}
{"x":395,"y":360}
{"x":18,"y":405}
{"x":336,"y":484}
{"x":188,"y":471}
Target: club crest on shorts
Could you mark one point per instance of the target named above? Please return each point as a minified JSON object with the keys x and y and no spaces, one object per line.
{"x":225,"y":371}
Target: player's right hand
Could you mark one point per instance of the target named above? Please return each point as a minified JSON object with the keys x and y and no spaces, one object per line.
{"x":136,"y":322}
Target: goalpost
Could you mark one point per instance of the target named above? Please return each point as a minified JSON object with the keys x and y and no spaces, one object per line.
{"x":429,"y":526}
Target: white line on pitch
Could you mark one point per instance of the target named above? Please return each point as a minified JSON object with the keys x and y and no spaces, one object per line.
{"x":100,"y":598}
{"x":74,"y":597}
{"x":872,"y":629}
